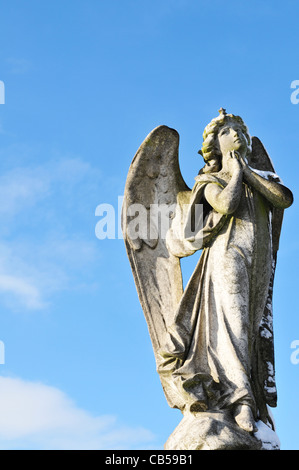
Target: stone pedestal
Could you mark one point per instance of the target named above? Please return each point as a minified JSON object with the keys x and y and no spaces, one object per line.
{"x":219,"y":431}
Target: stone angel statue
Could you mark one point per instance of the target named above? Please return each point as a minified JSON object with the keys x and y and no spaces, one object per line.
{"x":213,"y":339}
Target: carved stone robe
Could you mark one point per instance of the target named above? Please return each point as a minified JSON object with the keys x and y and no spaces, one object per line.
{"x":211,"y":351}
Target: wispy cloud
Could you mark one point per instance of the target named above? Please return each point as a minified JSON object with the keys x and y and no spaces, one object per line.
{"x":45,"y":240}
{"x":26,"y":292}
{"x":37,"y":416}
{"x":18,"y":66}
{"x":22,"y":188}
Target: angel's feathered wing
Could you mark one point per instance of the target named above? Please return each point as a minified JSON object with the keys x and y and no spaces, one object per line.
{"x":265,"y":366}
{"x":153,"y":184}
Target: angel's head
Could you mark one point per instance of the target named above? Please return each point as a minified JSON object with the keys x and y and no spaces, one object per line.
{"x":224,"y":133}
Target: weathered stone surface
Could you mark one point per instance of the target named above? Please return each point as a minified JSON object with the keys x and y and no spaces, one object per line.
{"x":218,"y":431}
{"x":213,"y":340}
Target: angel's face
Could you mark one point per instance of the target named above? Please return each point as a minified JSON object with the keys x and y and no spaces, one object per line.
{"x":231,"y":137}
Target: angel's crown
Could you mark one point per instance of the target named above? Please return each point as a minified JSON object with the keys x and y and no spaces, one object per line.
{"x":222,"y":112}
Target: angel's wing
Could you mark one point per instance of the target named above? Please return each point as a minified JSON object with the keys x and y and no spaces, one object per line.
{"x":266,"y":367}
{"x":262,"y":161}
{"x":153,"y":185}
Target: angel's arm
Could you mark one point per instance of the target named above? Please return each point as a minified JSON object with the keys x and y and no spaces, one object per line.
{"x":226,"y":200}
{"x":277,"y":194}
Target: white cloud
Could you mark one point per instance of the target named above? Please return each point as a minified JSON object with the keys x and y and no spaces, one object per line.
{"x":31,"y":274}
{"x":37,"y":416}
{"x":45,"y":240}
{"x":24,"y":187}
{"x":27,"y":293}
{"x":20,"y":189}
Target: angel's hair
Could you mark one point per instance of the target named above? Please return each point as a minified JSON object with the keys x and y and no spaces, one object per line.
{"x":210,"y":151}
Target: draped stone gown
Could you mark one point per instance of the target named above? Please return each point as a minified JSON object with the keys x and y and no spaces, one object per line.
{"x":209,"y":350}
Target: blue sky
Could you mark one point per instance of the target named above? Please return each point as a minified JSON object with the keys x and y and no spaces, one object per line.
{"x":85,"y":82}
